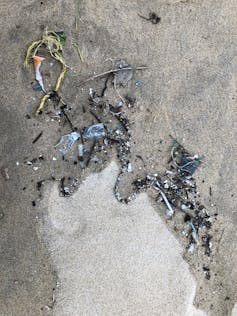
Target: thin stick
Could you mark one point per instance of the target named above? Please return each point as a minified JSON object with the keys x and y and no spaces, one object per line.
{"x":112,"y":71}
{"x":119,"y":95}
{"x":79,"y":51}
{"x":90,"y":153}
{"x":37,"y":137}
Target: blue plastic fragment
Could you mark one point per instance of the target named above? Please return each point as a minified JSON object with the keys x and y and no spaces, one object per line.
{"x":138,"y":83}
{"x":97,"y":130}
{"x":37,"y":87}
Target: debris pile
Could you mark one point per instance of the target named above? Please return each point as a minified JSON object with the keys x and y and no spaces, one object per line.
{"x":52,"y":43}
{"x":175,"y":188}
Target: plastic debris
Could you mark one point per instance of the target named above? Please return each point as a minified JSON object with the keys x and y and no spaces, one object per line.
{"x":67,"y":141}
{"x":37,"y":64}
{"x":194,"y":232}
{"x":191,"y":248}
{"x":94,"y":131}
{"x":189,"y":164}
{"x":53,"y":43}
{"x":68,"y":186}
{"x":138,"y":83}
{"x":37,"y":87}
{"x":184,"y":162}
{"x":129,"y":167}
{"x":80,"y":152}
{"x":122,"y":77}
{"x":170,"y":211}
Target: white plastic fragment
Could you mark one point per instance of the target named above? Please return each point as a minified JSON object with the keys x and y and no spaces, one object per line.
{"x":191,"y":248}
{"x":37,"y":63}
{"x":184,"y":207}
{"x":67,"y":141}
{"x":80,"y":151}
{"x":129,"y":167}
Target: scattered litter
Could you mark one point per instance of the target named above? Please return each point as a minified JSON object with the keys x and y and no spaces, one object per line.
{"x":17,"y":163}
{"x":39,"y":184}
{"x":112,"y":71}
{"x":206,"y":272}
{"x":95,"y":159}
{"x":80,"y":152}
{"x":184,"y":207}
{"x":37,"y":87}
{"x":47,"y":308}
{"x":191,"y":248}
{"x":170,"y":211}
{"x":194,"y":232}
{"x":153,"y":17}
{"x":52,"y":43}
{"x":206,"y":243}
{"x":131,"y":99}
{"x":97,"y":130}
{"x":129,"y":167}
{"x":176,"y":187}
{"x":37,"y":64}
{"x":210,"y":191}
{"x":185,"y":163}
{"x":37,"y":137}
{"x":67,"y":141}
{"x":122,"y":77}
{"x":138,"y":83}
{"x":68,"y":186}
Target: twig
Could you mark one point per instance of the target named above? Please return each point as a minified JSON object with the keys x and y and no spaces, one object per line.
{"x":112,"y":71}
{"x":95,"y":116}
{"x":105,"y":86}
{"x":37,"y":137}
{"x":79,"y":51}
{"x":143,"y":17}
{"x":90,"y":153}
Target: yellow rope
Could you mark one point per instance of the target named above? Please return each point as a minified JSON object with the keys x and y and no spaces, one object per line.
{"x":52,"y":42}
{"x":42,"y":102}
{"x":29,"y":52}
{"x":62,"y":74}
